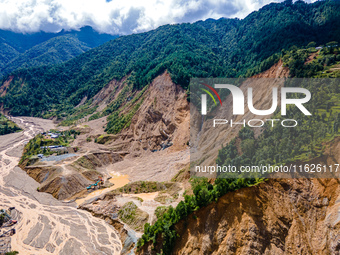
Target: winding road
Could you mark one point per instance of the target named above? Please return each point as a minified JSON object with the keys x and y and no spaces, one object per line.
{"x":46,"y":225}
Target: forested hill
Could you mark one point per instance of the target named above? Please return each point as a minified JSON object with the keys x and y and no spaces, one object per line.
{"x":224,"y":47}
{"x":26,"y":50}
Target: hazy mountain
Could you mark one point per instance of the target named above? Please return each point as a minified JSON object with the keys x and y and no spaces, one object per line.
{"x":28,"y":50}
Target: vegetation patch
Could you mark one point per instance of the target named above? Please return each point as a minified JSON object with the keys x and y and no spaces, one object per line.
{"x":116,"y":121}
{"x":7,"y":126}
{"x":141,"y":187}
{"x":103,"y":139}
{"x":75,"y":114}
{"x":12,"y":253}
{"x":160,"y":211}
{"x":133,"y":216}
{"x":204,"y":193}
{"x":182,"y":175}
{"x":84,"y":162}
{"x":164,"y":199}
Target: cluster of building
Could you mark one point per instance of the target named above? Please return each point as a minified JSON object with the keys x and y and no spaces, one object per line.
{"x":51,"y":147}
{"x":52,"y":135}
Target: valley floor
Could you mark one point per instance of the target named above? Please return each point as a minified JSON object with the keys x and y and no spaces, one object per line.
{"x":46,"y":225}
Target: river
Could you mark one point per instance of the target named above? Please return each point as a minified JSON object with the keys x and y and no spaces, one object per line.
{"x":45,"y":224}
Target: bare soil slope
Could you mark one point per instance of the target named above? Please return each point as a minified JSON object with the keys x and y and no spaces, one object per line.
{"x":155,"y":145}
{"x":277,"y":217}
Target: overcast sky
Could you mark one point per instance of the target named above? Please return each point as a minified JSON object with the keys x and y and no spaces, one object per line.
{"x":116,"y":17}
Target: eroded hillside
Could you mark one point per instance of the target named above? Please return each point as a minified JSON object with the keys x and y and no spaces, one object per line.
{"x":276,"y":217}
{"x":279,"y":216}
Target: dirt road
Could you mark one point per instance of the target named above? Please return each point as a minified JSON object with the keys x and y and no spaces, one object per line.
{"x":46,"y":225}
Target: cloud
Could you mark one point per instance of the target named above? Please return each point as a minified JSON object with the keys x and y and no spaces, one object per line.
{"x":116,"y":16}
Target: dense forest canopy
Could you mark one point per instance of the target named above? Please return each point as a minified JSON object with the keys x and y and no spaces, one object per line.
{"x":211,"y":48}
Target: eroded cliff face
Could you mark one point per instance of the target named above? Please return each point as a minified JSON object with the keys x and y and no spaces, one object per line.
{"x":155,"y":144}
{"x":164,"y":117}
{"x":286,"y":216}
{"x":162,"y":120}
{"x":64,"y":179}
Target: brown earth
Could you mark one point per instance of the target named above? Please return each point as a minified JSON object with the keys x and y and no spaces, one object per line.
{"x":279,"y":216}
{"x":276,"y":217}
{"x":162,"y":121}
{"x":108,"y":93}
{"x":276,"y":71}
{"x":311,"y":57}
{"x":63,"y":179}
{"x":162,"y":118}
{"x":4,"y":87}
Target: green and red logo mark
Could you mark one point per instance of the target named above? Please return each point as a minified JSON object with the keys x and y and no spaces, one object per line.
{"x":209,"y":93}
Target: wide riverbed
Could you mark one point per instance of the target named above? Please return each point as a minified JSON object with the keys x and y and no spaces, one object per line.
{"x":46,"y":225}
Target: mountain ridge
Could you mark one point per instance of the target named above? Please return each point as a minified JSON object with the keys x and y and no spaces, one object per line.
{"x":224,"y":47}
{"x":28,"y":50}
